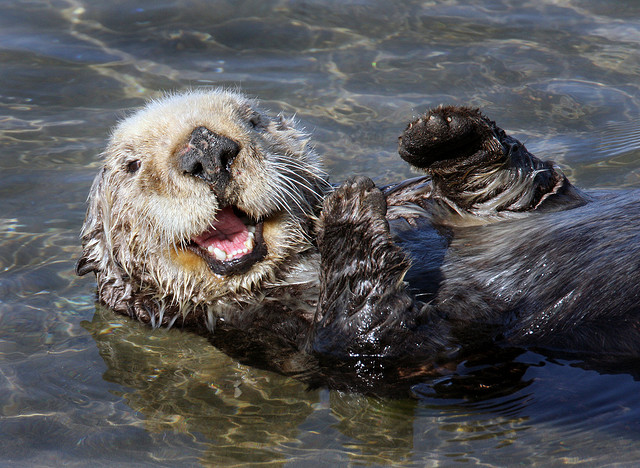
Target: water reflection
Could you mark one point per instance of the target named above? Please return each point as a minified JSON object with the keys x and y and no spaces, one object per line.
{"x":182,"y":384}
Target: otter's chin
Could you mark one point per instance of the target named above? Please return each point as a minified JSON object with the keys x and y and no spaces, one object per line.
{"x":233,"y":243}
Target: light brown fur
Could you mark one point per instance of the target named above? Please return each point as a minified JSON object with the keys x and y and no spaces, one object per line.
{"x":138,"y":224}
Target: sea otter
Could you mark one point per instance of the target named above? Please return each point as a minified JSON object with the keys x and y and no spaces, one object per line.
{"x":211,"y":214}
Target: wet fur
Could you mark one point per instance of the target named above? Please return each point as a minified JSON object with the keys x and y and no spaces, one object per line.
{"x":137,"y":224}
{"x":493,"y":247}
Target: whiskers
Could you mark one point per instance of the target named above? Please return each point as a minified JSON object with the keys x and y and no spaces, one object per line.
{"x":297,"y":184}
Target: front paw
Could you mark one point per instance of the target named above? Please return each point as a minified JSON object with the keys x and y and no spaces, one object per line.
{"x":444,"y":135}
{"x":356,"y":201}
{"x":362,"y":296}
{"x":353,"y":236}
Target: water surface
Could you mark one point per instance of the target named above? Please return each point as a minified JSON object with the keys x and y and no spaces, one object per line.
{"x":80,"y":386}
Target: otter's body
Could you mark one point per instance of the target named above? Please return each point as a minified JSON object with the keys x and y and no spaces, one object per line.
{"x":212,"y":215}
{"x":560,"y":280}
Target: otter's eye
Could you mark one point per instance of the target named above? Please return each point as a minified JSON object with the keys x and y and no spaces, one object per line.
{"x":133,"y":166}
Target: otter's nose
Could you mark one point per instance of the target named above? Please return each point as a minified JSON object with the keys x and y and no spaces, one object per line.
{"x":209,"y":156}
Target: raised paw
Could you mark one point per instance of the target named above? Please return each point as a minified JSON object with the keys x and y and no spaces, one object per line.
{"x":355,"y":201}
{"x":353,"y":229}
{"x":446,"y":134}
{"x":363,"y":304}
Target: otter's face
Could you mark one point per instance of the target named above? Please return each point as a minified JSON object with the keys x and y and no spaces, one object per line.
{"x":201,"y":195}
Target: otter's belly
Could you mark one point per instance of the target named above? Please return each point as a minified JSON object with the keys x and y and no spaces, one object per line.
{"x":426,"y":246}
{"x":567,"y":278}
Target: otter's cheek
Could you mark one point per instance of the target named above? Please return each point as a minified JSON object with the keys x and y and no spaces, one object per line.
{"x":190,"y":263}
{"x":272,"y":232}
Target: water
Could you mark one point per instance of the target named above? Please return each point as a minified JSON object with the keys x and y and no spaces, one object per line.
{"x":80,"y":386}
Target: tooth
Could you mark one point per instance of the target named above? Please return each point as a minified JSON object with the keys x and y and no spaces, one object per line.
{"x":249,"y":243}
{"x":210,"y":249}
{"x":219,"y":254}
{"x":244,"y":251}
{"x":251,"y":229}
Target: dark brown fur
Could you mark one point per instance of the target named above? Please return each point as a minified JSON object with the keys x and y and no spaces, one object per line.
{"x":493,"y":248}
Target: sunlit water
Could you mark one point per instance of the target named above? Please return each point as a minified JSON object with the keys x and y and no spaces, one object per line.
{"x":81,"y":386}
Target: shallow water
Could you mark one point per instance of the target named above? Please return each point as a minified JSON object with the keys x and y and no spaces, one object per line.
{"x":83,"y":387}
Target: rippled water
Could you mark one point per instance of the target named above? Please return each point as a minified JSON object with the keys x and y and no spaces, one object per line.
{"x":81,"y":386}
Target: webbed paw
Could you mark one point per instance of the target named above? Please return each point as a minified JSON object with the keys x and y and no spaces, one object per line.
{"x":356,"y":202}
{"x":445,"y":135}
{"x":362,"y":303}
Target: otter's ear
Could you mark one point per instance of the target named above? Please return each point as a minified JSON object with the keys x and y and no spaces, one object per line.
{"x":93,"y":232}
{"x":253,"y":116}
{"x":258,"y":120}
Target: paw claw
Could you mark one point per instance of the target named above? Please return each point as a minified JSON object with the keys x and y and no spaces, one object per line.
{"x":357,"y":198}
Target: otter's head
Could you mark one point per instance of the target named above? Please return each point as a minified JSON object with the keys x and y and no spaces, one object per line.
{"x":201,"y":195}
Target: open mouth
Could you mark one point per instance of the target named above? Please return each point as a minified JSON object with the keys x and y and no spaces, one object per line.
{"x":232,"y":245}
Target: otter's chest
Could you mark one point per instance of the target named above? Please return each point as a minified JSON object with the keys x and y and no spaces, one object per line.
{"x":286,"y":309}
{"x":426,"y":246}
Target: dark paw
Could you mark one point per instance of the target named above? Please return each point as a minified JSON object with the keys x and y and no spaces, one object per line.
{"x":362,"y":296}
{"x":355,"y":200}
{"x":444,"y":134}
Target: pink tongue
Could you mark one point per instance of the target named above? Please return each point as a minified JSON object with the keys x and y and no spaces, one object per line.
{"x":228,"y":233}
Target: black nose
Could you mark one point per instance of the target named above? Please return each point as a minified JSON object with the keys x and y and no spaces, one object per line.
{"x":209,"y":156}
